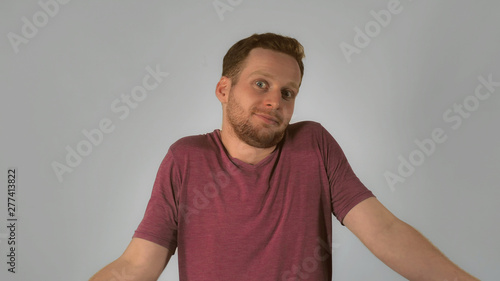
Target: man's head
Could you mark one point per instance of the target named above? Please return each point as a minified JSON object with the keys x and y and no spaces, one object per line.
{"x":261,"y":78}
{"x":235,"y":57}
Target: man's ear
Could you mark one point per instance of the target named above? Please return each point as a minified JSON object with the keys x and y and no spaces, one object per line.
{"x":223,"y":88}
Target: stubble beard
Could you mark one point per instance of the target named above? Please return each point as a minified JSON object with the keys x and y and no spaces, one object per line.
{"x":264,"y":137}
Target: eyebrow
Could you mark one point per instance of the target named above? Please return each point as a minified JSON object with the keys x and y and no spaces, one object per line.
{"x":263,"y":73}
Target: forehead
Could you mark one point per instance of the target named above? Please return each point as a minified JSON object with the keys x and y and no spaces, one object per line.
{"x":277,"y":64}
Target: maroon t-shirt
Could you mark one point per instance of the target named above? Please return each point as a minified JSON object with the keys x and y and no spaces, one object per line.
{"x":234,"y":221}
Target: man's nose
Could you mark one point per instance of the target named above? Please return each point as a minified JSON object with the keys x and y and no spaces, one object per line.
{"x":273,"y":99}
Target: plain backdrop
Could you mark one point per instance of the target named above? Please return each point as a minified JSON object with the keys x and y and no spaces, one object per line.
{"x":390,"y":92}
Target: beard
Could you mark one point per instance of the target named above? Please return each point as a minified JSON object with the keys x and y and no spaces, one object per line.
{"x":257,"y":135}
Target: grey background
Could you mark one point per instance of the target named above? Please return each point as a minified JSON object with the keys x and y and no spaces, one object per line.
{"x":64,"y":79}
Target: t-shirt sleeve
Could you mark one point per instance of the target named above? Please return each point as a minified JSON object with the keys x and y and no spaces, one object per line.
{"x":159,"y":224}
{"x":346,"y":190}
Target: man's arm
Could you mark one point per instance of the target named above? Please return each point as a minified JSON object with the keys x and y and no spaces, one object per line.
{"x":142,"y":260}
{"x":399,"y":245}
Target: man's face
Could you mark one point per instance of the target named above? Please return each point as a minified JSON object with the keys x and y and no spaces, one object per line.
{"x":260,"y":105}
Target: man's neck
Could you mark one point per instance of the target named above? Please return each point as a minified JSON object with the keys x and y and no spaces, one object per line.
{"x":240,"y":150}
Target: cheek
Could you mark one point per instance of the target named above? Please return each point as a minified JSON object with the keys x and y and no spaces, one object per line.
{"x":289,"y":109}
{"x":246,"y":100}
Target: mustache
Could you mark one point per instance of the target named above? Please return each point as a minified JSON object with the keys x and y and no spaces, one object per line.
{"x":273,"y":113}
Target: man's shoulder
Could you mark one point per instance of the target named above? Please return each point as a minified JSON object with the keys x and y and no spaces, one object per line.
{"x":195,"y":142}
{"x":305,"y":128}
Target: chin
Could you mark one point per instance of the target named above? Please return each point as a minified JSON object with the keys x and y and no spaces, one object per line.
{"x":265,"y":139}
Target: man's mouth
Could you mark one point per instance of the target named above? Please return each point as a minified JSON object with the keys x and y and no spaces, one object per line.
{"x":268,"y":118}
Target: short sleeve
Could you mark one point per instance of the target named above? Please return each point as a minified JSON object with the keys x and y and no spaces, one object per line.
{"x":346,"y":190}
{"x":159,"y":224}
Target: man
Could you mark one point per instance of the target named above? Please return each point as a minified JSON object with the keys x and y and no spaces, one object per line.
{"x":253,"y":201}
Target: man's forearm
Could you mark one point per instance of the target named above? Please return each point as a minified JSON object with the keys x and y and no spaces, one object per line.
{"x":410,"y":254}
{"x":121,"y":269}
{"x":111,"y":271}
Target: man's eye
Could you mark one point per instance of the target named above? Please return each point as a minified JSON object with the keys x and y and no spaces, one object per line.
{"x":260,"y":84}
{"x":287,"y":94}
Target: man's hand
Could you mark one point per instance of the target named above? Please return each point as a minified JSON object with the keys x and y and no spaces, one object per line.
{"x":399,"y":245}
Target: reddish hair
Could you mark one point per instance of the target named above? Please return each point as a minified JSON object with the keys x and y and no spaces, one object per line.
{"x":236,"y":55}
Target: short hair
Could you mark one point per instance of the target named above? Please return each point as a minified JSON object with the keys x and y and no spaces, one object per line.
{"x":236,"y":55}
